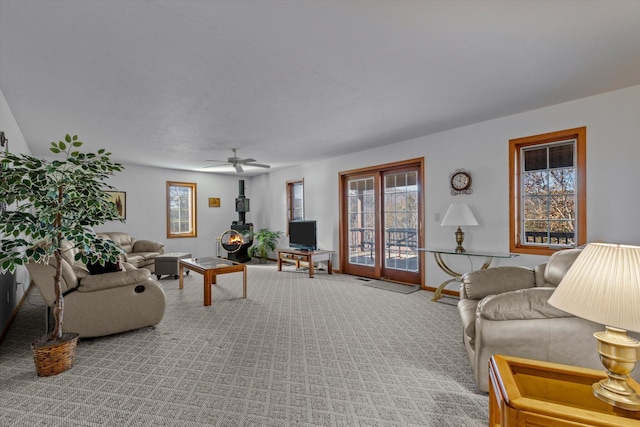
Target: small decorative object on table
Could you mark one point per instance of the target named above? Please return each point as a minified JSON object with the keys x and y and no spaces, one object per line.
{"x":459,"y":214}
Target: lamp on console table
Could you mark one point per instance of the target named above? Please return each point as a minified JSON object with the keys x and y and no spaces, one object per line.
{"x":603,"y":285}
{"x":459,"y":214}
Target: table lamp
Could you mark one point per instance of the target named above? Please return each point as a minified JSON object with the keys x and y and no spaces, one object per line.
{"x":603,"y":285}
{"x":459,"y":214}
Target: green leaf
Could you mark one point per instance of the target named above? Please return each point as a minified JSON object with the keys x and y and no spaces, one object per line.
{"x":54,"y":150}
{"x":67,"y":138}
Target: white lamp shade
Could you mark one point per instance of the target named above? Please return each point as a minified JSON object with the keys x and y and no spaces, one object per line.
{"x":603,"y":285}
{"x":458,"y":214}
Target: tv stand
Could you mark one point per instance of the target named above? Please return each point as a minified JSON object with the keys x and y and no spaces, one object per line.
{"x":310,"y":257}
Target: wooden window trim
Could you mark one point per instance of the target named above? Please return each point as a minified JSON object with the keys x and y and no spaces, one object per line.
{"x":193,"y":186}
{"x":515,"y":145}
{"x":290,"y":185}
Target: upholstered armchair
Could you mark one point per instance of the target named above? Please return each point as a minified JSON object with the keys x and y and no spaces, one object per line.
{"x":101,"y":304}
{"x":505,"y":310}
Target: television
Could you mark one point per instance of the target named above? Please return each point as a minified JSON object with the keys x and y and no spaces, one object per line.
{"x":302,"y":235}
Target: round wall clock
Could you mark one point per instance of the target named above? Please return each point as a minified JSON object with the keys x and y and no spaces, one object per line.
{"x":460,"y":181}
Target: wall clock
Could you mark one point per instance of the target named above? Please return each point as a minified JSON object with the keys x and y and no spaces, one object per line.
{"x":460,"y":181}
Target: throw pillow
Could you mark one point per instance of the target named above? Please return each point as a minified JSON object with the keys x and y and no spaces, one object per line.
{"x":108,"y":267}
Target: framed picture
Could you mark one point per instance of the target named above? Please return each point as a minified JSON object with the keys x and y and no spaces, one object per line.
{"x":119,"y":198}
{"x":214,"y":202}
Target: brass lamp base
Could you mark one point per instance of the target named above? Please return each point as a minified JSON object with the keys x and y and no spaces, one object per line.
{"x":619,"y":354}
{"x":459,"y":240}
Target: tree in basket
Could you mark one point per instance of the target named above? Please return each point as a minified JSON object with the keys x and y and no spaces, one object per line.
{"x":49,"y":202}
{"x":265,"y":241}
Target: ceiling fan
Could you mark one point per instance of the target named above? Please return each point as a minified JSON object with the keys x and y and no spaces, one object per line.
{"x":237,"y":162}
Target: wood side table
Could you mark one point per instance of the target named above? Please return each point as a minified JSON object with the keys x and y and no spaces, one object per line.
{"x":525,"y":392}
{"x":310,"y":257}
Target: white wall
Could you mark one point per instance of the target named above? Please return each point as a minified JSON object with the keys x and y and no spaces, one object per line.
{"x":613,"y":151}
{"x":17,"y":145}
{"x":613,"y":127}
{"x":146,"y":207}
{"x":12,"y":132}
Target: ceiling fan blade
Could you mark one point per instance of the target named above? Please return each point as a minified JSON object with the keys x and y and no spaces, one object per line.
{"x":237,"y":162}
{"x":259,"y":165}
{"x":216,"y":166}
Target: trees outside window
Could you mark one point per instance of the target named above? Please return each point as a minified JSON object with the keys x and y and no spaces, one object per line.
{"x":181,"y":209}
{"x":547,"y":192}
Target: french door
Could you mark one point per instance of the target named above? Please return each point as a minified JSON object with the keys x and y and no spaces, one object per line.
{"x":380,"y":225}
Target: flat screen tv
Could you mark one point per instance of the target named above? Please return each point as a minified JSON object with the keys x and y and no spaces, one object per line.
{"x":302,"y":235}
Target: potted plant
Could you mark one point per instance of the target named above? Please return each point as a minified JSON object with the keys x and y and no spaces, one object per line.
{"x":264,"y":241}
{"x":49,"y":201}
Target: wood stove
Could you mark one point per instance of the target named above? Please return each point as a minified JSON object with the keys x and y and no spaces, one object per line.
{"x":237,"y":244}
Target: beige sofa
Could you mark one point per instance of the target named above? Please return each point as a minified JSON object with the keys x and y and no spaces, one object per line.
{"x":102,"y":304}
{"x":505,"y":310}
{"x":139,"y":253}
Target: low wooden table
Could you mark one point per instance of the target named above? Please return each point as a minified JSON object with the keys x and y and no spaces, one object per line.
{"x":525,"y":392}
{"x":210,"y":268}
{"x":309,"y":257}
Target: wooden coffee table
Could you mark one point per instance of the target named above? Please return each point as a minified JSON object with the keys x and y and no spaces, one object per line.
{"x":210,"y":268}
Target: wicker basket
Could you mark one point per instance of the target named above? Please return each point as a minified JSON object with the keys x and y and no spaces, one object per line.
{"x":54,"y":357}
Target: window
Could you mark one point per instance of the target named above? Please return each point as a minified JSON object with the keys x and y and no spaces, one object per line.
{"x":547,"y":209}
{"x":181,"y":209}
{"x":295,"y":200}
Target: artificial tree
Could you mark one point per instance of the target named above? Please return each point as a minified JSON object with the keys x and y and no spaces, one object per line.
{"x":49,"y":201}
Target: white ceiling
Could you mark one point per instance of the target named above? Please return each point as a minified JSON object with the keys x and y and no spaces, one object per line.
{"x":170,"y":83}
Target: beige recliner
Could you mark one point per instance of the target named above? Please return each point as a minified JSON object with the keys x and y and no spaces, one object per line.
{"x":505,"y":310}
{"x":139,"y":253}
{"x":101,"y":304}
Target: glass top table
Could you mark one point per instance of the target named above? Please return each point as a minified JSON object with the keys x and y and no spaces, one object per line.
{"x":457,"y":277}
{"x":210,"y":267}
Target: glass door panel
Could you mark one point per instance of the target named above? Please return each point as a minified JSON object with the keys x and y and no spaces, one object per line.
{"x":400,"y":223}
{"x":361,"y":201}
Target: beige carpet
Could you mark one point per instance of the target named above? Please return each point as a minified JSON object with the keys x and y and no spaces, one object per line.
{"x":298,"y":352}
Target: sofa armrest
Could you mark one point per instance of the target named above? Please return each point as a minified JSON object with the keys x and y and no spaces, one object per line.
{"x":98,"y":282}
{"x":523,"y":304}
{"x":496,"y":280}
{"x":148,"y":246}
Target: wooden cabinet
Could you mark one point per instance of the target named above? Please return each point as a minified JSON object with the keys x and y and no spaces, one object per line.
{"x":526,"y":392}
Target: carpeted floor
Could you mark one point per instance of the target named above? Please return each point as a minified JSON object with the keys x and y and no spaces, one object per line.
{"x":297,"y":352}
